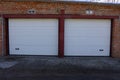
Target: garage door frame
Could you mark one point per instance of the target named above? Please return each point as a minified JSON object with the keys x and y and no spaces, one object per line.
{"x":61,"y":18}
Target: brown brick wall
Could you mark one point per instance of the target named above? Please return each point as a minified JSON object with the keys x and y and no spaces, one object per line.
{"x":70,"y":8}
{"x":0,"y":36}
{"x":116,"y":39}
{"x":53,"y":8}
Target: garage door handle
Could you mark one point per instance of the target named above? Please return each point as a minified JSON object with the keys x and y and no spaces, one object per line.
{"x":17,"y":49}
{"x":101,"y":49}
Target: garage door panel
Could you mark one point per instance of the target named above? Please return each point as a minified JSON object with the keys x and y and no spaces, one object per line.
{"x":33,"y":51}
{"x":33,"y":36}
{"x":86,"y":37}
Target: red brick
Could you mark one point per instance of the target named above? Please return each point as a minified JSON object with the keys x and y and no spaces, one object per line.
{"x":70,"y":8}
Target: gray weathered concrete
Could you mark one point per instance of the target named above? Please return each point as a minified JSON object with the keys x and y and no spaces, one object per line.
{"x":52,"y":68}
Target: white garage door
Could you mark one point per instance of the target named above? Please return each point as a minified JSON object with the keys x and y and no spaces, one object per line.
{"x":87,"y":37}
{"x":33,"y":36}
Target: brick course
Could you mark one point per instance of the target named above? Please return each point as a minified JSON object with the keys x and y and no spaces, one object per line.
{"x":70,"y":8}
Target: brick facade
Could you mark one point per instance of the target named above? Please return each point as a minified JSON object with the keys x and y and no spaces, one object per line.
{"x":0,"y":36}
{"x":70,"y":8}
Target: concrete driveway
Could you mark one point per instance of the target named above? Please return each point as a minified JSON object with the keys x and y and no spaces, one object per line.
{"x":52,"y":68}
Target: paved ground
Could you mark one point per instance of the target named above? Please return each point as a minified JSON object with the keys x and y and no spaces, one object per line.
{"x":54,"y":68}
